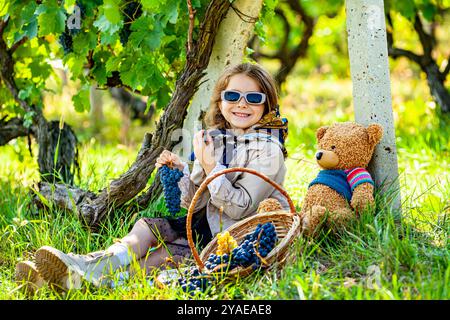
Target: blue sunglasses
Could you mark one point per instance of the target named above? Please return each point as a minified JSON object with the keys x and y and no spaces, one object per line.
{"x":250,"y":97}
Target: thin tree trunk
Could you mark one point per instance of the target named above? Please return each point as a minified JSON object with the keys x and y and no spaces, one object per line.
{"x":369,"y":68}
{"x":437,"y":88}
{"x":96,"y":113}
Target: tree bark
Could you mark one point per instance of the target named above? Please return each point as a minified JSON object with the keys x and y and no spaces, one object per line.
{"x":369,"y":66}
{"x":58,"y":154}
{"x":12,"y":129}
{"x":438,"y":90}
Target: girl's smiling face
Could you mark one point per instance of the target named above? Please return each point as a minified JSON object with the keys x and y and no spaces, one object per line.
{"x":240,"y":114}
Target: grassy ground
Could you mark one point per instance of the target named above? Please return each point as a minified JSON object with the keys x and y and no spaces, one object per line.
{"x":374,"y":259}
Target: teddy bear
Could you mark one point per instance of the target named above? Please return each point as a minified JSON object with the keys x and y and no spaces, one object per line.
{"x":344,"y":187}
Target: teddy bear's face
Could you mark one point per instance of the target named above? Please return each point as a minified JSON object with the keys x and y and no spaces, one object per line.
{"x":347,"y":145}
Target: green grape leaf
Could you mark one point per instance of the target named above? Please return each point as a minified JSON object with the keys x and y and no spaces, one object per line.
{"x":156,"y":80}
{"x":147,"y":34}
{"x":105,"y":26}
{"x":84,"y":41}
{"x":74,"y":64}
{"x":163,"y":98}
{"x":428,"y":11}
{"x":405,"y":8}
{"x":69,"y":3}
{"x":129,"y":77}
{"x":28,"y":119}
{"x":111,"y":11}
{"x":31,"y":29}
{"x":25,"y":93}
{"x":113,"y":63}
{"x":4,"y":5}
{"x":170,"y":11}
{"x":40,"y":69}
{"x":151,"y":5}
{"x":99,"y":71}
{"x":81,"y":100}
{"x":51,"y":19}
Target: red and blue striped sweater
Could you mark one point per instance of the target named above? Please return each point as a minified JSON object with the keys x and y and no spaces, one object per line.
{"x":343,"y":181}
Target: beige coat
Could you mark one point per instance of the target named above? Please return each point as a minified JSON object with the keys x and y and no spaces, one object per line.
{"x":238,"y":193}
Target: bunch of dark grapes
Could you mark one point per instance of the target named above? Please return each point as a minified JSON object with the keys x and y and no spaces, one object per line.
{"x":131,"y":12}
{"x":172,"y":194}
{"x":192,"y":281}
{"x":265,"y":236}
{"x":263,"y":240}
{"x":66,"y":38}
{"x":219,"y":263}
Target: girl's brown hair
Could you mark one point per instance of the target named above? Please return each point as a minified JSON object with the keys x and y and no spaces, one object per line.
{"x":214,"y":118}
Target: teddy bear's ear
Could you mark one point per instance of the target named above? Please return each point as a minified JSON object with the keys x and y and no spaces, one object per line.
{"x":375,"y":132}
{"x":321,"y":132}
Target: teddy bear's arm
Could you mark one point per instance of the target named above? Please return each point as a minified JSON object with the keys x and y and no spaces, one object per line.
{"x":362,"y":197}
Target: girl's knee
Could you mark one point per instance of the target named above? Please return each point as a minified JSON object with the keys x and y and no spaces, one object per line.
{"x":141,"y":222}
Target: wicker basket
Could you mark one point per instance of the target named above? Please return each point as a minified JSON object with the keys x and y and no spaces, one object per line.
{"x":287,"y":226}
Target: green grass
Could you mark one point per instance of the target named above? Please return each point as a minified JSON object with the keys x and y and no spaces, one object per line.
{"x":408,"y":261}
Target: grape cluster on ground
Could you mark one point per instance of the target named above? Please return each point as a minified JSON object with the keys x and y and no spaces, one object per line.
{"x":172,"y":193}
{"x":193,"y":281}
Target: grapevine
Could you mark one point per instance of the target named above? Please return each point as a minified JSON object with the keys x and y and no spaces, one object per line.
{"x":132,"y":11}
{"x":66,"y":38}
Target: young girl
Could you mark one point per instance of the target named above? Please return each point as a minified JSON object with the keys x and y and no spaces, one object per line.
{"x":245,"y":130}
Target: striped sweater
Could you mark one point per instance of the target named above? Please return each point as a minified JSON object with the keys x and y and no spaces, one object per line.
{"x":356,"y":176}
{"x":343,"y":181}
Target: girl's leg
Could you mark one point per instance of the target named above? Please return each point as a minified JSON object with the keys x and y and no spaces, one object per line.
{"x":176,"y":252}
{"x":146,"y":233}
{"x":65,"y":270}
{"x":137,"y":242}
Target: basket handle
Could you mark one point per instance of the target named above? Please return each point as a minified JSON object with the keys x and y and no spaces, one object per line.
{"x":202,"y":188}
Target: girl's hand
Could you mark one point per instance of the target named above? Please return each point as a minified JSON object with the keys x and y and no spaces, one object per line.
{"x":168,"y":158}
{"x":204,"y":151}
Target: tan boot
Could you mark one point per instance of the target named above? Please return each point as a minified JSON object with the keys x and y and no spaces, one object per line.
{"x":65,"y":271}
{"x":28,"y":276}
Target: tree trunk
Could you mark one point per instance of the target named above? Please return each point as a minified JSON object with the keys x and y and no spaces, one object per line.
{"x":437,"y":88}
{"x":58,"y":154}
{"x":369,"y":68}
